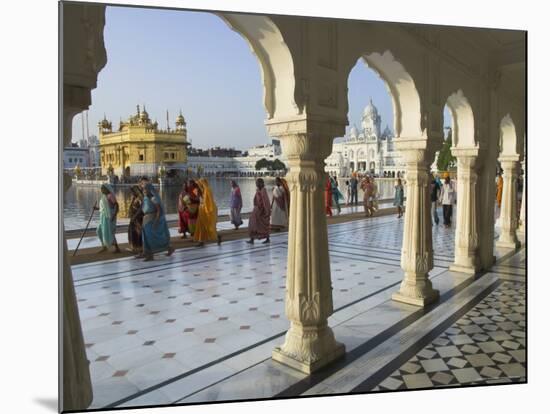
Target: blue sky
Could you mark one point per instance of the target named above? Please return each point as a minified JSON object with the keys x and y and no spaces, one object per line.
{"x":172,"y":60}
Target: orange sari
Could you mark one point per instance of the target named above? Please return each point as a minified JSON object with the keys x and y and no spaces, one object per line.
{"x":205,"y":229}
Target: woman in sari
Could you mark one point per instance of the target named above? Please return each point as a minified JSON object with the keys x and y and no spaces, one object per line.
{"x":135,"y":213}
{"x":258,"y":226}
{"x":399,"y":197}
{"x":191,"y":211}
{"x":208,"y":216}
{"x":156,"y":236}
{"x":236,"y":205}
{"x":336,"y":194}
{"x":108,"y":210}
{"x":279,"y":205}
{"x":367,"y":188}
{"x":328,"y":197}
{"x":182,"y":207}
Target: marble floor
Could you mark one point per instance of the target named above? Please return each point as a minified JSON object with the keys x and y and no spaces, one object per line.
{"x":200,"y":325}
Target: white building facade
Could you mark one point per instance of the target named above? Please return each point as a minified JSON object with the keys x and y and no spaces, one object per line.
{"x":369,"y":150}
{"x":76,"y":156}
{"x":242,"y":165}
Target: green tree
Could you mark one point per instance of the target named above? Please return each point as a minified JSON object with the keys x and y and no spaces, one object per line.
{"x":278,"y":165}
{"x":445,"y":159}
{"x":263,"y":163}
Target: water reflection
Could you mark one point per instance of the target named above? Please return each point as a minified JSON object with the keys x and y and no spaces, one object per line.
{"x":80,"y":199}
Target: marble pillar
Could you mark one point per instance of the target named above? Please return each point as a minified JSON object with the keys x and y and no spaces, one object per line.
{"x":417,"y":252}
{"x":521,"y":227}
{"x":467,"y":232}
{"x":309,"y":343}
{"x":76,"y":390}
{"x":508,"y":210}
{"x":486,"y":191}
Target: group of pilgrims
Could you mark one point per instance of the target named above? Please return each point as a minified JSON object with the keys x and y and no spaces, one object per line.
{"x":334,"y":198}
{"x":148,"y":231}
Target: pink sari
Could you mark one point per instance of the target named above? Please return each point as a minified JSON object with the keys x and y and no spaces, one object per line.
{"x":258,"y":226}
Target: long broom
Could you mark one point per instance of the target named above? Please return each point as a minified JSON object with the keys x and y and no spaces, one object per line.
{"x":86,"y":229}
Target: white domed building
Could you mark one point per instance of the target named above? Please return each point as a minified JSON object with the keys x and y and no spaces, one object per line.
{"x":368,"y":150}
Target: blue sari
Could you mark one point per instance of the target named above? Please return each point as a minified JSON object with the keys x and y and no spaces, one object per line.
{"x":106,"y":228}
{"x":155,"y":233}
{"x":336,"y":194}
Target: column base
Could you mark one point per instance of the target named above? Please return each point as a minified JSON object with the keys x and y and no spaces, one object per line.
{"x":431,"y":297}
{"x":508,"y":244}
{"x":308,"y":367}
{"x":307,"y":350}
{"x":470,"y":270}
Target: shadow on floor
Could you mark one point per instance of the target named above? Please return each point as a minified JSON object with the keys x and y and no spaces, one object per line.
{"x":49,"y":403}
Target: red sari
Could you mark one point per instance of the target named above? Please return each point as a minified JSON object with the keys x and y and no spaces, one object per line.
{"x":328,"y":198}
{"x":258,"y":225}
{"x":182,"y":207}
{"x":191,"y":213}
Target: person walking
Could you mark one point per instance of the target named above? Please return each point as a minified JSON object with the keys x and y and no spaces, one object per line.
{"x":191,"y":210}
{"x":435,"y":191}
{"x":156,"y":236}
{"x":374,"y":195}
{"x":367,"y":188}
{"x":328,"y":197}
{"x":399,"y":198}
{"x":353,"y":183}
{"x":182,"y":207}
{"x":348,"y":193}
{"x":279,"y":206}
{"x":500,"y":188}
{"x":108,"y":211}
{"x":236,"y":204}
{"x":135,"y":213}
{"x":336,"y":194}
{"x":258,"y":225}
{"x":447,"y":200}
{"x":208,"y":216}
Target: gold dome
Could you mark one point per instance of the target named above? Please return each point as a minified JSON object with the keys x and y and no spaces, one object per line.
{"x":180,"y":120}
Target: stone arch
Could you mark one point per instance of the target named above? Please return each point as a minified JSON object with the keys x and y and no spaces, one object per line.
{"x":462,"y":119}
{"x":405,"y":97}
{"x":508,"y":137}
{"x":276,"y":64}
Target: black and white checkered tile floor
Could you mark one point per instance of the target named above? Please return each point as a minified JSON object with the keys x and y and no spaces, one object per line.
{"x":485,"y":346}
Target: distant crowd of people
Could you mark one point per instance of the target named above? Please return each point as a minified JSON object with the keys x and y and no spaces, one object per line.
{"x":148,"y":231}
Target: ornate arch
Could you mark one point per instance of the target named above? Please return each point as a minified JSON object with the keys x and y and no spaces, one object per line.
{"x":462,"y":119}
{"x":276,"y":64}
{"x":402,"y":89}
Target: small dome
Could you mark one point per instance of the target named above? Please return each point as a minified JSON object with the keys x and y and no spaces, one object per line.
{"x":144,"y":115}
{"x":353,"y":131}
{"x":105,"y":124}
{"x":370,"y":110}
{"x":180,"y":120}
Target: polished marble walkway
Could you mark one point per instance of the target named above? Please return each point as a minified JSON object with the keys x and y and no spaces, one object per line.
{"x":201,"y":325}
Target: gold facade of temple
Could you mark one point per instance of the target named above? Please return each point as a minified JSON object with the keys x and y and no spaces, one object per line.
{"x":139,"y":147}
